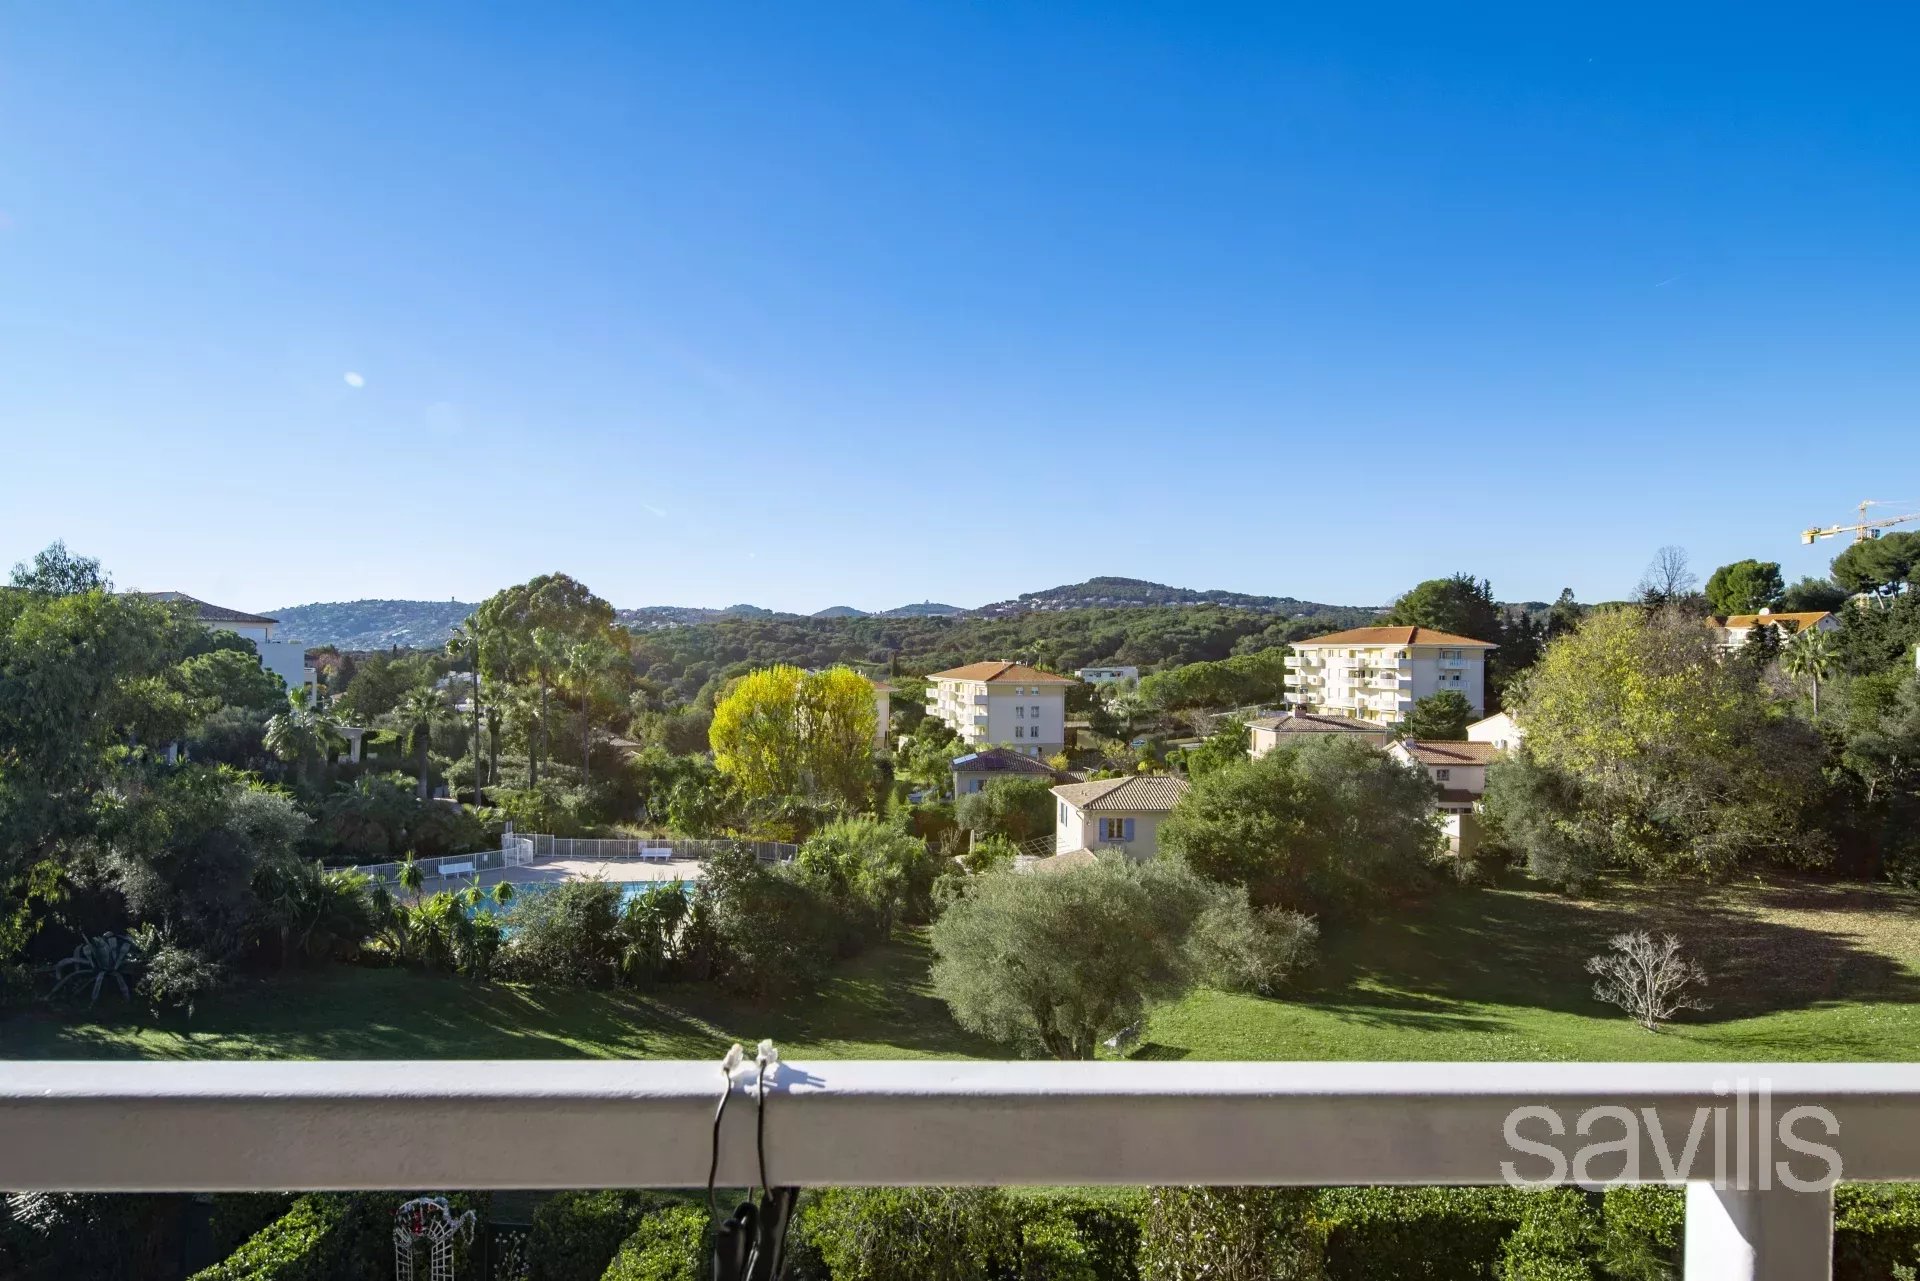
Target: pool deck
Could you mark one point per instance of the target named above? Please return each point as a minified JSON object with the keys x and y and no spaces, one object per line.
{"x":625,"y":870}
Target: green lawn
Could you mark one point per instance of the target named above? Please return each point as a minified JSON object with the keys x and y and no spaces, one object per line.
{"x":1802,"y":970}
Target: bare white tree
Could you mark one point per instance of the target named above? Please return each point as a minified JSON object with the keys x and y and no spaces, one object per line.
{"x":1669,"y":578}
{"x":1646,"y":977}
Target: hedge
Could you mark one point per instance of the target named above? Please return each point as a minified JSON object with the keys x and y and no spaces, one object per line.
{"x":576,"y":1234}
{"x":1876,"y":1227}
{"x":669,"y":1245}
{"x":334,"y":1237}
{"x":298,"y":1246}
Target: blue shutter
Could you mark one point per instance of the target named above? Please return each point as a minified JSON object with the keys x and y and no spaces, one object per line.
{"x":1126,"y":830}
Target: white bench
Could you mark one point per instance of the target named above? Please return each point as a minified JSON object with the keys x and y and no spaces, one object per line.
{"x":456,"y":869}
{"x":656,"y":854}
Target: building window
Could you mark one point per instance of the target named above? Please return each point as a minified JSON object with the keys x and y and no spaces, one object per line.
{"x":1019,"y":731}
{"x":1113,"y":829}
{"x":1019,"y":713}
{"x":1442,"y":775}
{"x":1036,"y":711}
{"x":1063,"y":812}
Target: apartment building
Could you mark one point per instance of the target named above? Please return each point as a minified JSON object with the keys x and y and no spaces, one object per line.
{"x":1003,"y":704}
{"x":1378,"y":673}
{"x":285,"y":659}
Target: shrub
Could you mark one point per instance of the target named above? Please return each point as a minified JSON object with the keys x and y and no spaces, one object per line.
{"x":565,"y":934}
{"x":1643,"y":1233}
{"x":1241,"y":949}
{"x":1436,"y":1234}
{"x":1876,"y":1229}
{"x":1557,"y":1237}
{"x":294,"y":1247}
{"x":911,"y":1234}
{"x":236,"y":1216}
{"x":669,"y":1245}
{"x":772,"y":934}
{"x":989,"y":853}
{"x":1231,"y":1234}
{"x":873,"y":873}
{"x":173,"y":975}
{"x":575,"y":1234}
{"x":1017,"y":808}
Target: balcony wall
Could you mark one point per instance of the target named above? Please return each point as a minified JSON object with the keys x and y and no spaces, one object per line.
{"x":127,"y":1127}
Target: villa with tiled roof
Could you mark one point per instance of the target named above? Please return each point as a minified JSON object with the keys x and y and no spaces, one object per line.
{"x":1378,"y":673}
{"x":1122,"y":815}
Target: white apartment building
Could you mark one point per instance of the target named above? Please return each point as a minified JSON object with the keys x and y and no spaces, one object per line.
{"x":1003,"y":705}
{"x":1378,"y":673}
{"x":1109,"y":675}
{"x":285,"y":659}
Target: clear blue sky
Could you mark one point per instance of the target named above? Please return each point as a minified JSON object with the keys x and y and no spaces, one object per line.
{"x":817,"y":304}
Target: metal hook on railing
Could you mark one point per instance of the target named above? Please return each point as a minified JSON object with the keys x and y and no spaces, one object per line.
{"x":751,"y":1244}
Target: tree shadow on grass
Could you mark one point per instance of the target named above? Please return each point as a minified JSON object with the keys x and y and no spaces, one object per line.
{"x":1528,"y":948}
{"x":876,"y":1003}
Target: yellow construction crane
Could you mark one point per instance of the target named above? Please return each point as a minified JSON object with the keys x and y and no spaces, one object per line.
{"x":1863,"y":529}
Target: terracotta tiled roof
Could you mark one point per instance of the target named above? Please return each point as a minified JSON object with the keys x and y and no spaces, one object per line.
{"x":1009,"y":673}
{"x":998,"y":760}
{"x":207,"y":613}
{"x":1140,"y":794}
{"x":1429,"y":752}
{"x":1394,"y":636}
{"x":1802,"y":620}
{"x":1310,"y":723}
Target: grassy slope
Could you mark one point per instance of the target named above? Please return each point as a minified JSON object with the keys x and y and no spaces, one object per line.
{"x":1801,"y":971}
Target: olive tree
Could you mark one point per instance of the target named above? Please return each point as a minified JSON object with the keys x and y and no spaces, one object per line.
{"x":1055,"y":961}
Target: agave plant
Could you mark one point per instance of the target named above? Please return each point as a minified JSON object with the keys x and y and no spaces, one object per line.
{"x":102,"y":957}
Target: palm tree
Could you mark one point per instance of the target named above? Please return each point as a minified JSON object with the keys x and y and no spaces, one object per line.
{"x":412,"y":877}
{"x":466,"y":638}
{"x":302,"y":734}
{"x":1809,"y":654}
{"x":421,"y":708}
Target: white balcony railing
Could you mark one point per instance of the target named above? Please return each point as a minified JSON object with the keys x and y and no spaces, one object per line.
{"x":142,"y":1127}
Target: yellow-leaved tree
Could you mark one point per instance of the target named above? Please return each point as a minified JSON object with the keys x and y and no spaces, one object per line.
{"x":781,"y":732}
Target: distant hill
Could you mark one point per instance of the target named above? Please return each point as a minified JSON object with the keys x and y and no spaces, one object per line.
{"x":1120,"y":593}
{"x":653,"y":617}
{"x":372,"y":624}
{"x":925,"y":609}
{"x":426,"y":624}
